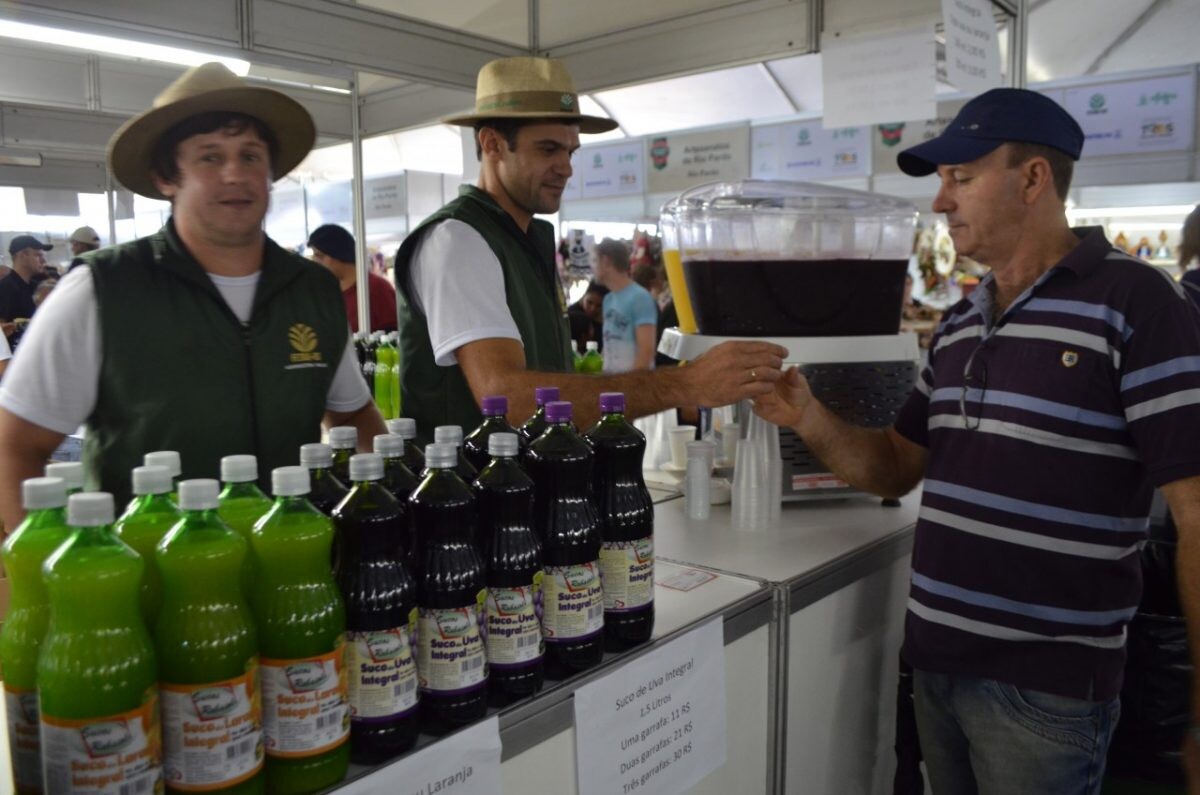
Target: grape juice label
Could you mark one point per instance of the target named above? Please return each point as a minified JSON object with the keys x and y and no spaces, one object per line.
{"x":212,"y":733}
{"x":514,"y":628}
{"x":305,"y":708}
{"x":115,"y":755}
{"x":627,"y":573}
{"x":451,"y":647}
{"x":24,"y":744}
{"x":382,"y":672}
{"x":574,"y":602}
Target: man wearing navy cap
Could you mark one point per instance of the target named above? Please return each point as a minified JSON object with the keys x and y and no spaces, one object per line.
{"x":333,"y":247}
{"x":1056,"y":397}
{"x":16,"y":289}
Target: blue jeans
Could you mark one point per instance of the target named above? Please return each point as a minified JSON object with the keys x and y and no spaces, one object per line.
{"x":988,"y":737}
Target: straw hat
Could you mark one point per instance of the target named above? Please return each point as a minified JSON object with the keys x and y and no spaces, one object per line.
{"x":528,"y":88}
{"x":202,"y":89}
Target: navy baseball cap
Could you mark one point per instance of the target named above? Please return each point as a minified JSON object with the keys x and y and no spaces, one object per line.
{"x":995,"y":117}
{"x":334,"y":241}
{"x":22,"y":242}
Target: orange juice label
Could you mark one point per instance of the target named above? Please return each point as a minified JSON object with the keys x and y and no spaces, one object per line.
{"x":627,"y":571}
{"x":212,"y":733}
{"x":306,"y":710}
{"x":114,"y":755}
{"x":24,"y":743}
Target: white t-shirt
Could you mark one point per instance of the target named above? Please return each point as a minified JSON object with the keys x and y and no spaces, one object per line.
{"x":54,"y":381}
{"x":456,"y":280}
{"x":5,"y":351}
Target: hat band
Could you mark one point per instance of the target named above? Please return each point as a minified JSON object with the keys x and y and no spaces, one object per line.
{"x":528,"y":102}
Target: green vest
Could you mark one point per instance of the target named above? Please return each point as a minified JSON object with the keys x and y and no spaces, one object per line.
{"x":180,"y":372}
{"x":436,"y":395}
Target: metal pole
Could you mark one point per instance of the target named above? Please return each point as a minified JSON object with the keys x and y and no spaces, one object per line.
{"x":1018,"y":45}
{"x":362,"y":266}
{"x":111,"y":195}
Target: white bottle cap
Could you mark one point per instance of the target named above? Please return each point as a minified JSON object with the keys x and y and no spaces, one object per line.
{"x":366,"y":466}
{"x":593,"y":345}
{"x":343,"y":436}
{"x":37,"y":493}
{"x":503,"y":444}
{"x":239,"y":468}
{"x":151,"y":480}
{"x":165,"y":458}
{"x":316,"y":455}
{"x":92,"y":509}
{"x":441,"y":456}
{"x":289,"y":481}
{"x":198,"y":494}
{"x":448,"y":434}
{"x":389,"y":444}
{"x":70,"y":471}
{"x":404,"y":427}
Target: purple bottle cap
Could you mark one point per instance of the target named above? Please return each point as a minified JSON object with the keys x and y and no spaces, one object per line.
{"x":494,"y":405}
{"x":545,"y":394}
{"x":559,"y":411}
{"x":612,"y":402}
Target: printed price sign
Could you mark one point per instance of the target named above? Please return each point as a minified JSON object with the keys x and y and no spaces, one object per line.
{"x":657,"y":724}
{"x":465,"y":763}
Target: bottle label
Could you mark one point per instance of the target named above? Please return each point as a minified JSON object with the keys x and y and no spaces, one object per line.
{"x":574,"y":602}
{"x":24,"y":744}
{"x":383,"y":672}
{"x":115,"y":755}
{"x":514,"y":627}
{"x":627,"y":572}
{"x":451,"y":647}
{"x":212,"y":733}
{"x":305,"y":709}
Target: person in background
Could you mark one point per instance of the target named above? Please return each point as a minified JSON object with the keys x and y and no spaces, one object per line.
{"x":482,"y":310}
{"x":17,"y":288}
{"x":379,"y":264}
{"x":1189,"y":254}
{"x":630,"y":314}
{"x":206,"y":337}
{"x":1056,"y":397}
{"x":82,"y":240}
{"x":587,"y":317}
{"x":333,"y":247}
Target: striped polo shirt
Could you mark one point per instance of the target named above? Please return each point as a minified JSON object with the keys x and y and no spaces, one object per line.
{"x":1047,"y":431}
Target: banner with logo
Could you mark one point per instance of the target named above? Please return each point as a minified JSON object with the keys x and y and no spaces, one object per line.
{"x":888,"y":139}
{"x":614,"y":170}
{"x":806,"y":151}
{"x":1156,"y":114}
{"x":676,"y":162}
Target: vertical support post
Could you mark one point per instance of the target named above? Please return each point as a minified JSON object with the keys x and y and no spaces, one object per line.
{"x":1018,"y":45}
{"x":362,"y":266}
{"x":111,"y":195}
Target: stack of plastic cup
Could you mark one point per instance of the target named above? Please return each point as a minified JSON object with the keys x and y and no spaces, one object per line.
{"x":698,"y":481}
{"x":757,"y":475}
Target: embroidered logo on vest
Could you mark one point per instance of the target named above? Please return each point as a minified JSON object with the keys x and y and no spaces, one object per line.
{"x":304,"y":344}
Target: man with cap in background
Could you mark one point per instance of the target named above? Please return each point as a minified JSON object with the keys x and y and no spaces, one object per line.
{"x":82,"y":240}
{"x":482,"y":310}
{"x":1056,"y":397}
{"x":333,"y":247}
{"x":206,"y":338}
{"x":17,"y":288}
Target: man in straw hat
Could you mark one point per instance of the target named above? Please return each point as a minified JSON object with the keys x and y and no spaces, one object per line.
{"x":206,"y":337}
{"x":1056,"y":397}
{"x":482,"y":309}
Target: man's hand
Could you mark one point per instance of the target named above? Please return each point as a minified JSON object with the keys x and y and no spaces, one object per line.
{"x":734,"y":371}
{"x":786,"y":405}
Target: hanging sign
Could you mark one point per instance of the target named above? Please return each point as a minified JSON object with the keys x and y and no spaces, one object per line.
{"x":1156,"y":114}
{"x":676,"y":162}
{"x":972,"y":47}
{"x":874,"y":78}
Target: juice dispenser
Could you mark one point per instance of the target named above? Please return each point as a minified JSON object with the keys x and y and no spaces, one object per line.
{"x":817,"y":269}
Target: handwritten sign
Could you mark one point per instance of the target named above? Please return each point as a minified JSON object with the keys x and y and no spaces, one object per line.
{"x":972,"y":47}
{"x":871,"y":78}
{"x":466,"y":763}
{"x":679,"y":162}
{"x":657,"y":724}
{"x":1156,"y":114}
